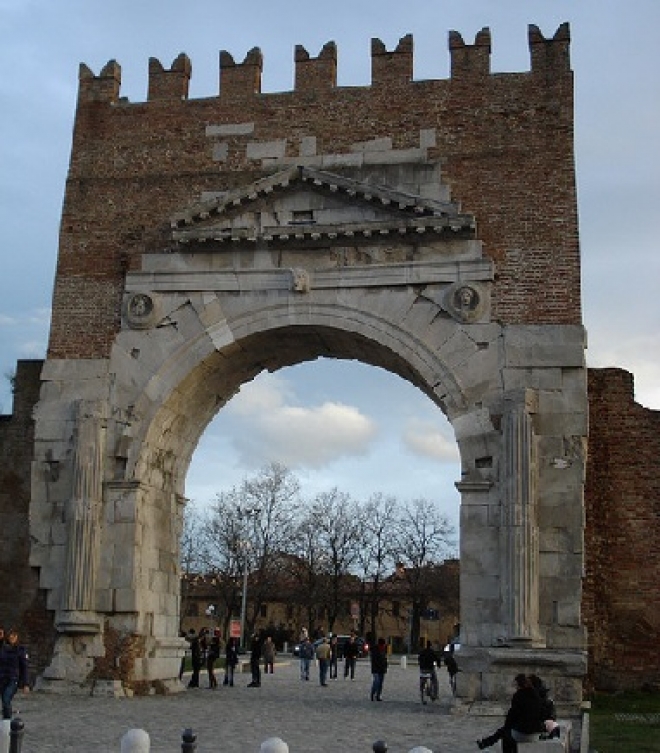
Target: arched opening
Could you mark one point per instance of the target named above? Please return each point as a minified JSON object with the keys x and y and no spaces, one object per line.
{"x":353,"y":435}
{"x":333,"y":422}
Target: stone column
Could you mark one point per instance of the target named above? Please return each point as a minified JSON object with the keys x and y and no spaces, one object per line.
{"x":520,"y":544}
{"x":78,"y":613}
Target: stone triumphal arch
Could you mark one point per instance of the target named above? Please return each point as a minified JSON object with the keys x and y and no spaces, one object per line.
{"x":426,"y":227}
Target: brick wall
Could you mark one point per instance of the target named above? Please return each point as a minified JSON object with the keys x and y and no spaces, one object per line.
{"x":21,"y":604}
{"x":505,"y":143}
{"x":621,"y":604}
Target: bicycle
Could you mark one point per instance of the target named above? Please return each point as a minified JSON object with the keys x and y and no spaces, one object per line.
{"x":428,"y":685}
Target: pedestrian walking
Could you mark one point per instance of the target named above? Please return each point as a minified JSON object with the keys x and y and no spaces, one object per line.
{"x":255,"y":658}
{"x":269,"y":655}
{"x":306,"y":656}
{"x":13,"y":671}
{"x":212,"y":655}
{"x":323,"y":657}
{"x":231,"y":661}
{"x":378,"y":669}
{"x":452,"y":669}
{"x":334,"y":656}
{"x":351,"y":651}
{"x":195,"y":657}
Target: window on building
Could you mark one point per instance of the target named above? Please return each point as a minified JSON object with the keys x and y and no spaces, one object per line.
{"x":396,"y":608}
{"x":302,"y":217}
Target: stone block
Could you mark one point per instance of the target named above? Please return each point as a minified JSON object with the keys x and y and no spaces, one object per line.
{"x":350,"y":159}
{"x":473,"y":424}
{"x":307,"y":146}
{"x":534,"y":346}
{"x":395,"y":156}
{"x":563,"y":401}
{"x":477,"y":376}
{"x":51,"y":576}
{"x":220,"y":151}
{"x":229,"y":129}
{"x":103,"y":597}
{"x":61,"y":370}
{"x":563,"y":743}
{"x":562,"y":424}
{"x":257,"y":150}
{"x":540,"y":379}
{"x":128,"y":600}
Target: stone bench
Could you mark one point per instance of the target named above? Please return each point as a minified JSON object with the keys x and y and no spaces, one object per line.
{"x":562,"y":744}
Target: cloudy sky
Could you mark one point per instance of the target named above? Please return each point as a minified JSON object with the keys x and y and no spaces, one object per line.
{"x":334,"y":423}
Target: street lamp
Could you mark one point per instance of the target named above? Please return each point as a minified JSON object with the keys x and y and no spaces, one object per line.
{"x":244,"y":597}
{"x":249,"y":513}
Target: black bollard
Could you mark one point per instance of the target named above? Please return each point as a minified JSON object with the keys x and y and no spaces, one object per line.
{"x":380,"y":746}
{"x":16,"y":729}
{"x":188,"y":741}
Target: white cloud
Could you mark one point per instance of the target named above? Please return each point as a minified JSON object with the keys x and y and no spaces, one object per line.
{"x":424,"y":438}
{"x":270,"y":428}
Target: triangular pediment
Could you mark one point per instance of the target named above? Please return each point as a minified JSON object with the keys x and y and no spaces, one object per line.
{"x":306,"y":203}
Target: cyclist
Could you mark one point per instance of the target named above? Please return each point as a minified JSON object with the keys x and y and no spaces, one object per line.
{"x":428,"y":661}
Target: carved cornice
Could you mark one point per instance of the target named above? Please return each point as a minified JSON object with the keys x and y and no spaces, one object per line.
{"x":403,"y":213}
{"x":412,"y":273}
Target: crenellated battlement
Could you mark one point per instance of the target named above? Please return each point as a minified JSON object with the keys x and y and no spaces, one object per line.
{"x":240,"y":80}
{"x":470,"y":60}
{"x":316,"y":74}
{"x":172,"y":83}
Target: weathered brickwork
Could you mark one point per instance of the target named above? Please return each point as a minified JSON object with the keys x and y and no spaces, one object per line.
{"x":21,"y":603}
{"x":505,"y":142}
{"x":622,"y":592}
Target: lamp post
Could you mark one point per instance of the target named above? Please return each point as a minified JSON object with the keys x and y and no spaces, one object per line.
{"x":249,"y":513}
{"x":244,"y":597}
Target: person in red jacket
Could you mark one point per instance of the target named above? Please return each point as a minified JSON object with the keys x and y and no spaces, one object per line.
{"x":13,"y":671}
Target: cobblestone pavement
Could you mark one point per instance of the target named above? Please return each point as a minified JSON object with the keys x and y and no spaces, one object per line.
{"x":310,"y":718}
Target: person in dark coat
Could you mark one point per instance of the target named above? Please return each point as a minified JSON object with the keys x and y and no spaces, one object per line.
{"x":195,"y":657}
{"x":552,"y":729}
{"x":255,"y":658}
{"x":378,"y":669}
{"x":13,"y":671}
{"x":452,"y":668}
{"x":231,"y":661}
{"x":351,"y":651}
{"x":524,"y":719}
{"x":212,"y":655}
{"x":334,"y":656}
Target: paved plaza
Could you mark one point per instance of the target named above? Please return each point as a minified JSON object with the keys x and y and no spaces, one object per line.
{"x":310,"y":718}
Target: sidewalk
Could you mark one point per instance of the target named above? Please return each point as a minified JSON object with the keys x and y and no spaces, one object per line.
{"x":339,"y":718}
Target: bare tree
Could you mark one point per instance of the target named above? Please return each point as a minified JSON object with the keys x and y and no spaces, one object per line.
{"x":190,"y":562}
{"x":423,"y":539}
{"x":222,"y":554}
{"x":268,"y":505}
{"x":374,"y":555}
{"x":338,"y":528}
{"x":309,"y":569}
